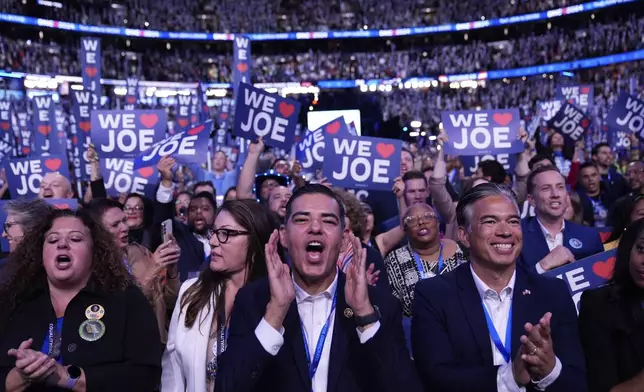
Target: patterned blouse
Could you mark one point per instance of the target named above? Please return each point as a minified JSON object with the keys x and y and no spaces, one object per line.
{"x":403,"y":273}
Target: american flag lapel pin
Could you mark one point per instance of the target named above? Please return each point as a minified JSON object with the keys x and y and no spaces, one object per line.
{"x":526,"y":292}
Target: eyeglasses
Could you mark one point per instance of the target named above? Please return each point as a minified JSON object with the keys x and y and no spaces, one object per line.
{"x":133,"y":209}
{"x":415,"y":220}
{"x":7,"y":226}
{"x":224,"y":234}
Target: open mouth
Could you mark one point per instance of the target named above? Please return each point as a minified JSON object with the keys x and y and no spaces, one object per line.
{"x":423,"y":232}
{"x":555,"y":204}
{"x":503,"y":248}
{"x":63,"y":261}
{"x":314,"y":251}
{"x":47,"y":195}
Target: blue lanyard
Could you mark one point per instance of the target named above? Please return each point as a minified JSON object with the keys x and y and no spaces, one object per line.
{"x":51,"y":345}
{"x":419,"y":263}
{"x":317,"y":355}
{"x":503,"y":349}
{"x":128,"y":266}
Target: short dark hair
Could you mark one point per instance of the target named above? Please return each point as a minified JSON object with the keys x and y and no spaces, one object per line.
{"x":205,"y":195}
{"x":311,"y":189}
{"x":598,"y":147}
{"x":538,"y":158}
{"x":477,"y":193}
{"x":543,"y":169}
{"x":494,"y":170}
{"x":98,"y":207}
{"x":588,"y":164}
{"x":206,"y":183}
{"x":414,"y":175}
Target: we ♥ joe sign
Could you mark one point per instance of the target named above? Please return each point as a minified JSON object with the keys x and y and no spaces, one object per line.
{"x":361,"y":162}
{"x":260,"y":113}
{"x":24,"y":175}
{"x":126,"y":133}
{"x":586,"y":274}
{"x":627,"y":114}
{"x":186,"y":147}
{"x":570,"y":121}
{"x":120,"y":177}
{"x":581,"y":96}
{"x":310,"y":150}
{"x":482,"y":132}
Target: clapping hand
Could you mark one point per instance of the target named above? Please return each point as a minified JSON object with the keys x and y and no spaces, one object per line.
{"x":280,"y":282}
{"x":540,"y":358}
{"x":356,"y":286}
{"x":372,"y":277}
{"x":33,"y":366}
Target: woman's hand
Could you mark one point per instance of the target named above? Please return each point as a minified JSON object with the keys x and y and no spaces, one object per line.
{"x":33,"y":366}
{"x":167,"y":254}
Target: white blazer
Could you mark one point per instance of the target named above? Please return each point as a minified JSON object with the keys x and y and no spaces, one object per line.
{"x":184,"y":359}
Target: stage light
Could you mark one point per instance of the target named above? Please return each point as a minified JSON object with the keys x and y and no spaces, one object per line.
{"x":416,"y":124}
{"x":405,"y":129}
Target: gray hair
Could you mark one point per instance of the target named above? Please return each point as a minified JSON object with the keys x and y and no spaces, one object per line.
{"x":28,"y":212}
{"x":481,"y":191}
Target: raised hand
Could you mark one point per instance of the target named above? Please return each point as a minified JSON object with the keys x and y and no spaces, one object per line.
{"x":519,"y":367}
{"x":372,"y":277}
{"x":280,"y":282}
{"x":399,"y":187}
{"x":165,"y":168}
{"x":256,"y":148}
{"x":540,"y":357}
{"x":356,"y":287}
{"x":167,"y":254}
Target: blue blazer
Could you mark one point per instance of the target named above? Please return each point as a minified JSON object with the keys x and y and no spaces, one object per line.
{"x":535,"y":246}
{"x":381,"y":364}
{"x":451,"y":343}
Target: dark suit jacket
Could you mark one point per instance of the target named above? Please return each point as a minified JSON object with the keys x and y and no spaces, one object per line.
{"x":612,"y":335}
{"x":451,"y":342}
{"x":535,"y":247}
{"x":192,"y":250}
{"x":381,"y":364}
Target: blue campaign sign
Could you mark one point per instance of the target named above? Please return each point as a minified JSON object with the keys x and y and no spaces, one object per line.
{"x":310,"y":150}
{"x":361,"y":162}
{"x":186,"y":147}
{"x":120,"y":177}
{"x":241,"y":62}
{"x":63,"y":204}
{"x":24,"y":175}
{"x":184,"y":112}
{"x":627,"y":115}
{"x":24,"y":140}
{"x":90,"y":56}
{"x":45,"y":138}
{"x":126,"y":133}
{"x":587,"y":273}
{"x":547,"y":109}
{"x":581,"y":96}
{"x":571,"y":121}
{"x":132,"y":88}
{"x":470,"y":163}
{"x":482,"y":132}
{"x":202,"y":94}
{"x":260,"y":113}
{"x":4,"y":243}
{"x":6,"y":149}
{"x":6,"y":130}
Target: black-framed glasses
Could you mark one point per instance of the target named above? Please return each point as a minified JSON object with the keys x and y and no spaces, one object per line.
{"x":224,"y":234}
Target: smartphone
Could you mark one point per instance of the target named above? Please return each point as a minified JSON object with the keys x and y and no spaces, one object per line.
{"x":166,"y":228}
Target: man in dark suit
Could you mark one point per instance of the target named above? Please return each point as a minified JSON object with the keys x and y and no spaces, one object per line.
{"x":550,"y":240}
{"x":284,"y":330}
{"x":488,"y":325}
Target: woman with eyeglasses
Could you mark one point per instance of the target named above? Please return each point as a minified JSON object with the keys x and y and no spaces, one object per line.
{"x":139,"y":214}
{"x":425,"y":256}
{"x":198,"y":329}
{"x":22,"y":216}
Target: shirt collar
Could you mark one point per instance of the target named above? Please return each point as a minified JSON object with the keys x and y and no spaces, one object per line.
{"x":482,"y":288}
{"x":301,"y":295}
{"x":546,"y":232}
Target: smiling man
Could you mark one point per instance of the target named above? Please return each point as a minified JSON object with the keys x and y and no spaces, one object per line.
{"x":55,"y":186}
{"x":488,"y":325}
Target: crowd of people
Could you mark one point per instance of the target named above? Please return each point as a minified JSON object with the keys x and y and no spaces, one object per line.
{"x":284,"y":16}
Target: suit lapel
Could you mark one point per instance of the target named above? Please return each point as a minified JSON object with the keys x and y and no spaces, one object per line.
{"x":200,"y":339}
{"x":522,"y":304}
{"x":340,"y":340}
{"x":538,"y":244}
{"x":293,"y":335}
{"x":473,"y":308}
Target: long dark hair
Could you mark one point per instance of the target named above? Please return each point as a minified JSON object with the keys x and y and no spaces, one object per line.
{"x":623,"y":285}
{"x":620,"y":213}
{"x":24,"y":272}
{"x":255,"y":219}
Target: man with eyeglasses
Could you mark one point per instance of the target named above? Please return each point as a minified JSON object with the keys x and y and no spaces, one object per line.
{"x":193,"y":238}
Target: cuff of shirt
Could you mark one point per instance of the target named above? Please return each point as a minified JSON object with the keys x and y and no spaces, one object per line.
{"x":539,"y":269}
{"x":505,"y":380}
{"x":367,"y":334}
{"x":269,"y":338}
{"x":550,"y":378}
{"x":164,"y":195}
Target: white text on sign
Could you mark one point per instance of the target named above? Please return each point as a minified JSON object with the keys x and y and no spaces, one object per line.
{"x":358,"y":165}
{"x":262,"y":121}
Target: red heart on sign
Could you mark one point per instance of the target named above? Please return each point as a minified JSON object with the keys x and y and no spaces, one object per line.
{"x":130,"y":99}
{"x":53,"y":164}
{"x":584,"y":123}
{"x":223,"y":116}
{"x":182,"y":122}
{"x":604,"y":235}
{"x":26,"y":150}
{"x":502,"y":119}
{"x":74,"y":140}
{"x":62,"y":206}
{"x":85,"y":126}
{"x":286,"y":109}
{"x":333,"y":128}
{"x":385,"y":150}
{"x":604,"y":269}
{"x":585,"y":90}
{"x":196,"y":130}
{"x":44,"y":129}
{"x":4,"y":126}
{"x":91,"y":71}
{"x":242,"y":67}
{"x":146,"y":171}
{"x":571,"y":101}
{"x":149,"y":120}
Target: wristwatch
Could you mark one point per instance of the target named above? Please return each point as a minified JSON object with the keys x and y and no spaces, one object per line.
{"x":74,"y":373}
{"x":368,"y":319}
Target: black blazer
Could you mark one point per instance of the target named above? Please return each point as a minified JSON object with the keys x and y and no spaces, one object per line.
{"x":127,"y":358}
{"x":381,"y":364}
{"x":451,"y":343}
{"x":612,"y":335}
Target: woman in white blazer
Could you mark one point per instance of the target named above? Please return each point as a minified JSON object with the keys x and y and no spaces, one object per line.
{"x":197,"y":334}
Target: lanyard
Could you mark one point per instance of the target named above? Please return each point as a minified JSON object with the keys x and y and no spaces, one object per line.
{"x":222,"y":338}
{"x":51,"y":345}
{"x":128,"y":266}
{"x":317,"y":355}
{"x":419,"y":263}
{"x":503,"y":349}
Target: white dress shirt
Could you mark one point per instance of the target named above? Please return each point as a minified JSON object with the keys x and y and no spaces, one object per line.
{"x":313,"y":310}
{"x":498,"y":307}
{"x":552,"y":241}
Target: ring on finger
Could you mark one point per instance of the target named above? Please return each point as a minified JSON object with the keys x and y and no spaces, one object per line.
{"x":534,"y":351}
